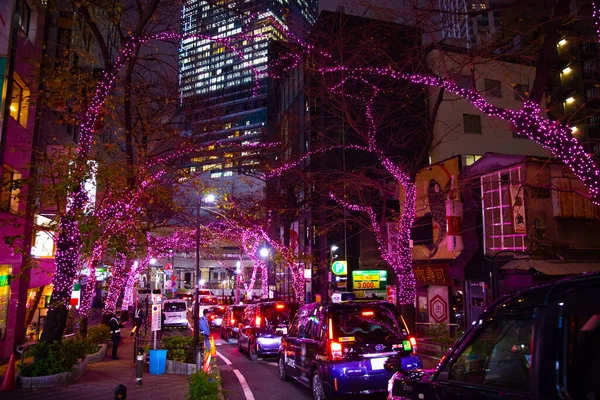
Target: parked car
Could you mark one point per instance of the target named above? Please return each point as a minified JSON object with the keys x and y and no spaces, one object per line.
{"x":175,"y":313}
{"x":231,"y":319}
{"x":184,"y":296}
{"x":542,"y":342}
{"x":215,"y":316}
{"x":340,"y":348}
{"x":262,"y":327}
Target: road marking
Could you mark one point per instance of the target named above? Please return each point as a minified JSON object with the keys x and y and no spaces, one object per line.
{"x":224,"y":358}
{"x":245,"y":387}
{"x":243,"y":383}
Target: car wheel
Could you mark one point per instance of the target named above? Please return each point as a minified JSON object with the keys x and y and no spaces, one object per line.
{"x":239,"y":345}
{"x":317,"y":387}
{"x":252,"y":352}
{"x":282,"y":372}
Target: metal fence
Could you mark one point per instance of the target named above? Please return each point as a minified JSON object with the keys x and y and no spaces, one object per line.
{"x":435,"y":329}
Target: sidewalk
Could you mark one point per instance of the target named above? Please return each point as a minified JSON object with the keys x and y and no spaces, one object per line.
{"x":99,"y":381}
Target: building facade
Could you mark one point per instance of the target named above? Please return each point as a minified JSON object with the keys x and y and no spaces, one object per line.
{"x":225,"y":91}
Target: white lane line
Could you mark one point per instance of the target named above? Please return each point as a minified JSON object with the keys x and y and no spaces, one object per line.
{"x":243,"y":383}
{"x":224,"y":358}
{"x":245,"y":387}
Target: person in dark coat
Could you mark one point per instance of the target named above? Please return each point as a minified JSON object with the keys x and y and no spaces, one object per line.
{"x":115,"y":333}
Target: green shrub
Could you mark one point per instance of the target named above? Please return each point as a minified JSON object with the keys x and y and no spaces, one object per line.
{"x":203,"y":387}
{"x":53,"y":358}
{"x":97,"y":335}
{"x":180,"y":349}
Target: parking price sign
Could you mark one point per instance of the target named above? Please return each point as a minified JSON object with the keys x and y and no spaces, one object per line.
{"x":369,"y":279}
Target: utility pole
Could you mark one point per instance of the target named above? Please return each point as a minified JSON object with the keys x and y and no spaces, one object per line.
{"x":197,"y":277}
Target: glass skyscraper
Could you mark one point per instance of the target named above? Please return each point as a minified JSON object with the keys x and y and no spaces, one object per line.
{"x":217,"y":86}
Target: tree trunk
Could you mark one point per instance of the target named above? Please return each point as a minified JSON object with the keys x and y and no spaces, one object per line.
{"x":83,"y":325}
{"x":54,"y":324}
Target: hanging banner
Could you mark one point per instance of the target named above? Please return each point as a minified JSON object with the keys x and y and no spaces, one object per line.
{"x":518,"y":209}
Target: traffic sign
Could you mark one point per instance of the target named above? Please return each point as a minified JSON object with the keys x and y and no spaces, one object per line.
{"x":339,"y":267}
{"x":439,"y":309}
{"x":369,"y":279}
{"x":156,"y":317}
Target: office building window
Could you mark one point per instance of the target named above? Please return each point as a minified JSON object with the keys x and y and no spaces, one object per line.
{"x":10,"y":189}
{"x":472,"y":123}
{"x":521,"y":91}
{"x":470,"y":159}
{"x":19,"y":104}
{"x":493,"y":88}
{"x":25,"y":18}
{"x":464,"y":82}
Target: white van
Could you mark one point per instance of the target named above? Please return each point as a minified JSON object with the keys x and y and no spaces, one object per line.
{"x":175,"y":313}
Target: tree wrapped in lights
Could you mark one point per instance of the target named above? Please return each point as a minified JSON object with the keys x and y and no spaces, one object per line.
{"x":69,"y":242}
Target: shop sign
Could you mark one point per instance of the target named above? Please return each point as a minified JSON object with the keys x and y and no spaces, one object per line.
{"x":4,"y":280}
{"x":431,"y":275}
{"x":156,"y":317}
{"x":369,"y":279}
{"x":339,"y":267}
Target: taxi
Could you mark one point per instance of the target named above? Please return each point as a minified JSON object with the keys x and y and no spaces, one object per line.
{"x":542,"y":342}
{"x":340,"y":348}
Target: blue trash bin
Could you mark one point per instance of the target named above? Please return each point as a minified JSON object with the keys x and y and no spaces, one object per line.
{"x":158,"y":360}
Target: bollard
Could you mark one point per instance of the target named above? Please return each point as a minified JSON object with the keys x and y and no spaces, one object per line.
{"x":120,"y":392}
{"x":139,"y":367}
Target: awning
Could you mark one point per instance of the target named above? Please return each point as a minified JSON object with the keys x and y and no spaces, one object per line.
{"x":551,"y":267}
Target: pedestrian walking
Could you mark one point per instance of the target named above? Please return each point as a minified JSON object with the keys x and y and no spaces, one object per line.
{"x":205,"y":330}
{"x":138,"y":320}
{"x":115,"y":333}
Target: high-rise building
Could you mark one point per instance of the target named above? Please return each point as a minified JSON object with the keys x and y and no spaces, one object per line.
{"x":223,"y":90}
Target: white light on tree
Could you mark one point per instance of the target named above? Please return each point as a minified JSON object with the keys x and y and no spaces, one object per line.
{"x":264,"y":252}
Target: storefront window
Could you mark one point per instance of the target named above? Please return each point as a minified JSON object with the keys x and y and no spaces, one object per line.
{"x":5,"y":271}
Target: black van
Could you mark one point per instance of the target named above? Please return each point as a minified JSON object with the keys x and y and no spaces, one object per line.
{"x":340,"y":348}
{"x":542,"y":342}
{"x":262,"y":327}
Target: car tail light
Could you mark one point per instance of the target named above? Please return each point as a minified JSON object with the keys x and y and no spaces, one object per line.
{"x":212,"y":316}
{"x":279,"y":306}
{"x":368,"y":313}
{"x":232,"y":321}
{"x":413,"y":343}
{"x":258,"y":320}
{"x":330,"y":329}
{"x":335,"y":350}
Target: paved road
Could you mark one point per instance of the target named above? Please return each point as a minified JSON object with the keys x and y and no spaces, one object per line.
{"x":262,"y":377}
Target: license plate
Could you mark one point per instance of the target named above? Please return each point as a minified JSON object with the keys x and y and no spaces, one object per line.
{"x":377,"y":363}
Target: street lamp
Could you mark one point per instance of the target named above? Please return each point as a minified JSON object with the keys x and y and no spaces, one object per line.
{"x":264,"y":252}
{"x":224,"y":284}
{"x":208,"y":199}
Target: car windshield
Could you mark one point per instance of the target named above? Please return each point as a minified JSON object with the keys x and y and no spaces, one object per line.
{"x":238,"y":313}
{"x":175,"y":307}
{"x":208,"y":301}
{"x":278,"y":315}
{"x":368,"y":323}
{"x":219,"y":311}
